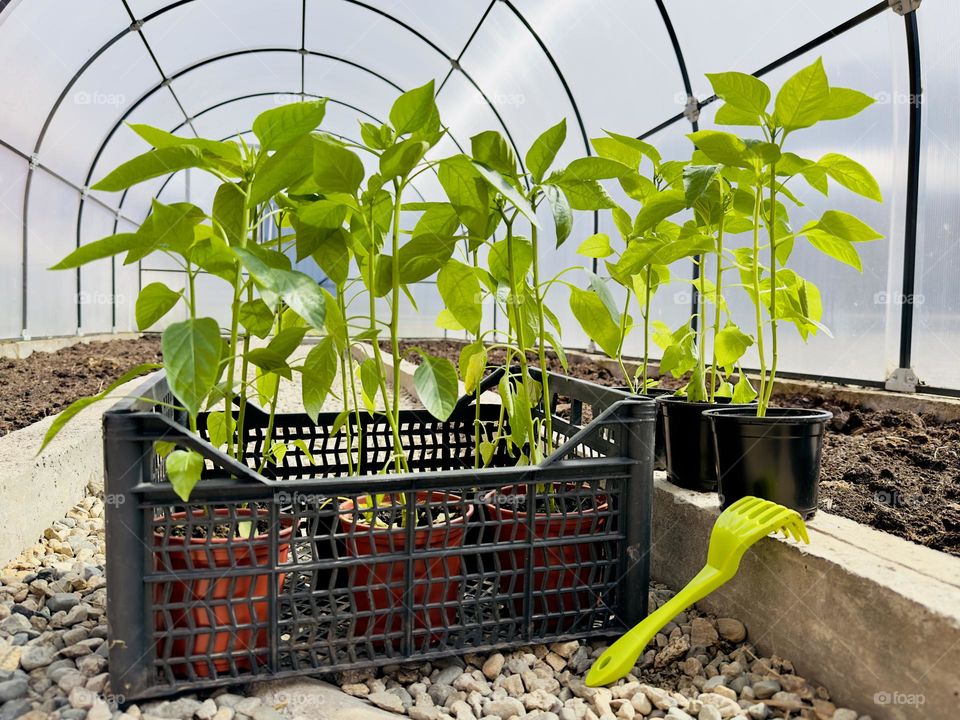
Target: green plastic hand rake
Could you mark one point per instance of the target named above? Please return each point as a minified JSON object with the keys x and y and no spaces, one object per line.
{"x":738,"y":527}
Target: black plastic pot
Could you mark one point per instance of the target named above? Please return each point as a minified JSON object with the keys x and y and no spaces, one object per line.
{"x":659,"y":451}
{"x":688,"y":442}
{"x":776,"y":457}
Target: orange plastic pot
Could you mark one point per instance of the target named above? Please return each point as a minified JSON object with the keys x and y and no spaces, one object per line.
{"x":555,"y":568}
{"x":379,"y":585}
{"x":215,"y":607}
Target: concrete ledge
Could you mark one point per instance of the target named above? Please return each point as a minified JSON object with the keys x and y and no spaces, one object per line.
{"x":25,"y":348}
{"x":866,"y":614}
{"x":36,"y":490}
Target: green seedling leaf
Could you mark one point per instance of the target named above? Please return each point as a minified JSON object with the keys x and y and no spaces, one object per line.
{"x":413,"y":110}
{"x":278,"y":126}
{"x":162,"y":161}
{"x":544,"y":150}
{"x":400,"y":159}
{"x":287,"y":166}
{"x":843,"y":103}
{"x":256,"y":317}
{"x":191,"y":355}
{"x":103,"y":248}
{"x":473,"y":363}
{"x":153,"y":302}
{"x":722,"y":147}
{"x":596,"y":168}
{"x":499,"y":183}
{"x":731,"y":344}
{"x":184,"y":468}
{"x":562,"y":214}
{"x":228,"y":212}
{"x":437,"y":387}
{"x":802,"y":98}
{"x":743,"y":391}
{"x":492,"y":149}
{"x":595,"y":319}
{"x":851,"y":174}
{"x":319,"y":371}
{"x":846,"y":226}
{"x":219,"y":427}
{"x":596,"y":246}
{"x":583,"y":194}
{"x":658,"y":208}
{"x":335,"y":168}
{"x":745,"y":93}
{"x":461,"y":293}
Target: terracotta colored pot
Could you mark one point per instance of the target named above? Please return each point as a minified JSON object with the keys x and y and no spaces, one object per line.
{"x":558,"y":567}
{"x":432,"y":575}
{"x":240,"y":600}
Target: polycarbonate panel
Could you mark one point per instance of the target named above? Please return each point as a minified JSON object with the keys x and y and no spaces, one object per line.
{"x":746,"y":35}
{"x":96,"y":103}
{"x":158,"y":110}
{"x":858,"y":308}
{"x":127,"y":286}
{"x":936,"y":331}
{"x":13,"y":174}
{"x":213,"y":295}
{"x":511,"y":70}
{"x":175,"y":281}
{"x":51,"y":295}
{"x":198,"y":30}
{"x":97,"y":294}
{"x":42,"y":44}
{"x":435,"y":19}
{"x":603,"y":47}
{"x":236,"y":76}
{"x":464,"y":111}
{"x":357,"y":34}
{"x":346,"y":83}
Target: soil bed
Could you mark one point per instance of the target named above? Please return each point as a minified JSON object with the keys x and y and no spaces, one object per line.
{"x":896,"y":471}
{"x":45,"y":383}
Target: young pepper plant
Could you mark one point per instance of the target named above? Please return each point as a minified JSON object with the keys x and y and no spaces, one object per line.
{"x":762,"y":168}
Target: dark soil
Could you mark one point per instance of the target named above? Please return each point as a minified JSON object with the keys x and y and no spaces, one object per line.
{"x":892,"y":470}
{"x":45,"y":383}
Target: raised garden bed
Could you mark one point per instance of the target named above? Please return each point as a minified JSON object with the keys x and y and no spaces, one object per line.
{"x":894,"y":470}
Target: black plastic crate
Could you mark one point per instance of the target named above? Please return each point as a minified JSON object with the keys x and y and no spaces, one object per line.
{"x":194,"y":603}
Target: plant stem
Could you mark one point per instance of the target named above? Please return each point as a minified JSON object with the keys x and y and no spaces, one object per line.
{"x":395,"y":302}
{"x":623,"y":333}
{"x":646,"y":330}
{"x":234,"y":330}
{"x":716,"y":311}
{"x":772,"y":231}
{"x":521,"y":345}
{"x":702,"y":327}
{"x":542,"y":342}
{"x":758,"y":300}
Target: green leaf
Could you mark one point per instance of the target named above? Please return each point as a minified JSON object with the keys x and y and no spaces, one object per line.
{"x":267,"y":384}
{"x":802,"y":98}
{"x":731,"y":344}
{"x":846,"y":226}
{"x":473,"y":363}
{"x":696,"y":179}
{"x":741,"y":91}
{"x":369,"y":383}
{"x":595,"y":319}
{"x":218,"y":428}
{"x":596,"y":246}
{"x":835,"y":247}
{"x":658,"y":208}
{"x":851,"y":174}
{"x":413,"y":110}
{"x":183,"y":471}
{"x":562,"y":214}
{"x":256,"y":317}
{"x":544,"y":150}
{"x":278,"y":126}
{"x":319,"y":371}
{"x":843,"y":103}
{"x":228,"y":212}
{"x":400,"y":159}
{"x":596,"y":168}
{"x":491,"y":149}
{"x":288,"y":339}
{"x":161,"y":139}
{"x":298,"y":290}
{"x":460,"y":290}
{"x":630,"y":152}
{"x":76,"y":406}
{"x":191,"y":356}
{"x":729,"y":115}
{"x":498,"y":260}
{"x":722,"y":147}
{"x":287,"y":166}
{"x":162,"y":161}
{"x":583,"y":194}
{"x":153,"y":302}
{"x":499,"y":183}
{"x":467,"y":190}
{"x":102,"y":248}
{"x":437,"y":387}
{"x":423,"y":256}
{"x":336,"y":169}
{"x":333,"y":256}
{"x":743,"y":391}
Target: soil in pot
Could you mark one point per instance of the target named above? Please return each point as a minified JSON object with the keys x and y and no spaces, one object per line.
{"x":219,"y":612}
{"x":378,"y":585}
{"x":691,"y":460}
{"x":776,"y":457}
{"x":559,"y":570}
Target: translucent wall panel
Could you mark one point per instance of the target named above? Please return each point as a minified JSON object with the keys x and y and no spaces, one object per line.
{"x":857,"y":307}
{"x":96,"y":297}
{"x":603,"y":47}
{"x":13,"y":173}
{"x":357,"y":34}
{"x":235,"y":76}
{"x":331,"y":78}
{"x":127,"y":287}
{"x":51,"y":296}
{"x":95,"y":104}
{"x":936,"y":334}
{"x":42,"y":44}
{"x":213,"y":298}
{"x":197,"y":30}
{"x":435,"y":20}
{"x":748,"y":34}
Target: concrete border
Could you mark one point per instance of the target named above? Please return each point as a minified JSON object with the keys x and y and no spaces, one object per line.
{"x":874,"y":618}
{"x":20,"y":349}
{"x":37,"y":490}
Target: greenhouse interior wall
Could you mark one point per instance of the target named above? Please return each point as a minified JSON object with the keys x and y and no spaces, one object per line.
{"x":72,"y":75}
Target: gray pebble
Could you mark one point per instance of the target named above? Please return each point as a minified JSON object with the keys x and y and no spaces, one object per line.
{"x":62,"y":601}
{"x":448,"y":675}
{"x":12,"y":689}
{"x":14,"y":624}
{"x":15,"y":708}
